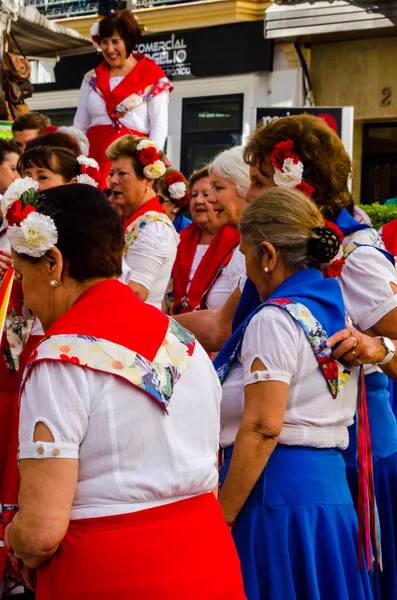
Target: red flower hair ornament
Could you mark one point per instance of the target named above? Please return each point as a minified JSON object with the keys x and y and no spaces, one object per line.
{"x":288,"y":169}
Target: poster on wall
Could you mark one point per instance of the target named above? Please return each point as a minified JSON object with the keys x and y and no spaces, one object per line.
{"x":339,"y":118}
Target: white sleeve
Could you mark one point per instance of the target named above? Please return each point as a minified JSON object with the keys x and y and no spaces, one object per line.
{"x":365,"y":282}
{"x":57,"y":395}
{"x":235,"y":270}
{"x":158,"y":117}
{"x":82,"y":118}
{"x":274,"y":337}
{"x":148,"y":253}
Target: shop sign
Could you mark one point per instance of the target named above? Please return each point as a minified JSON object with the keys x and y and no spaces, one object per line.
{"x":331,"y":115}
{"x":171,"y":54}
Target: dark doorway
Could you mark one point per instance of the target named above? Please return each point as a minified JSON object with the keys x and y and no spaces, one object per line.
{"x":379,"y":163}
{"x":209,"y":125}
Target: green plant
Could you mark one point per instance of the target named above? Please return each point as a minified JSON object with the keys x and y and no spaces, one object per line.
{"x":380,"y":214}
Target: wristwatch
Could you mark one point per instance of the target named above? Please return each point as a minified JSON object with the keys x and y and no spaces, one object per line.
{"x":389,"y":347}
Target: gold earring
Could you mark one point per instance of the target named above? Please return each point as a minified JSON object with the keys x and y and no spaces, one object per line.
{"x":54,"y":283}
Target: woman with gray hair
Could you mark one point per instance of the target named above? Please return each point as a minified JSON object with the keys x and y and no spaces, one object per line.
{"x":285,"y":414}
{"x":229,"y":178}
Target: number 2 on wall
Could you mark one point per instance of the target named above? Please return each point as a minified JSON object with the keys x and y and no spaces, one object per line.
{"x":386,"y":96}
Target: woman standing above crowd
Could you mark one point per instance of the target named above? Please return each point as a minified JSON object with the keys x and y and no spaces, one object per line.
{"x":127,"y":93}
{"x":150,"y":238}
{"x":285,"y":412}
{"x":96,"y":396}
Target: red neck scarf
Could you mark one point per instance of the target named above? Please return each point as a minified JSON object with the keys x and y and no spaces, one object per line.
{"x":141,"y":327}
{"x":145,"y":73}
{"x":152,"y":205}
{"x":217,"y":256}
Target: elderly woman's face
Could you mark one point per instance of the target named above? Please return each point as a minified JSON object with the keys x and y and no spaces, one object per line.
{"x":127,"y":191}
{"x":201,"y":209}
{"x":226,"y":202}
{"x":261,"y":179}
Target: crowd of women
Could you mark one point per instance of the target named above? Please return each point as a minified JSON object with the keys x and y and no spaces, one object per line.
{"x":194,"y":374}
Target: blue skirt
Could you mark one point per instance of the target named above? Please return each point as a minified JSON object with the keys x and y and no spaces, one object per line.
{"x":297,"y":533}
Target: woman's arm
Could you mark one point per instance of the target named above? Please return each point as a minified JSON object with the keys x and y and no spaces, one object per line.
{"x":146,"y":256}
{"x":260,"y":427}
{"x":158,"y":118}
{"x":82,"y":118}
{"x":212,"y":328}
{"x":45,"y":499}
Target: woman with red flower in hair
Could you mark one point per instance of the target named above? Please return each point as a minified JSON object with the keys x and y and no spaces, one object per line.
{"x":173,"y":193}
{"x":150,"y":238}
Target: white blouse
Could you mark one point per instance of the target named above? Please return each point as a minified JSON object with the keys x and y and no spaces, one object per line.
{"x":150,"y":117}
{"x":312,"y":417}
{"x":200,"y":251}
{"x":151,"y":257}
{"x":132,"y":456}
{"x":227,"y":281}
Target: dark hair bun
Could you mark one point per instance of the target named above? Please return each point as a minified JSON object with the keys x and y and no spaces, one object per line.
{"x":324,"y":244}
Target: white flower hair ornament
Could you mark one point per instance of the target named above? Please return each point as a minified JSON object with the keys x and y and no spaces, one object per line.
{"x":89,"y":171}
{"x":29,"y":231}
{"x":149,"y":156}
{"x":94,"y":33}
{"x":288,"y":169}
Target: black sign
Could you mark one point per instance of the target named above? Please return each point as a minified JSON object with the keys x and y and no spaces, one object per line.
{"x":211,"y":51}
{"x":207,"y":52}
{"x":330,"y":114}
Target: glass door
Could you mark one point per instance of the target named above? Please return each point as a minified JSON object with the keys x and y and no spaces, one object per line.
{"x":209,"y":126}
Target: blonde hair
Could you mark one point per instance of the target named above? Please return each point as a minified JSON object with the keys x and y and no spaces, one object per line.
{"x":126,"y":146}
{"x":230,"y":165}
{"x":292,"y":223}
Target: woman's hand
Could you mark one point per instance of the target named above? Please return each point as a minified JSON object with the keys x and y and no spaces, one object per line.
{"x":5,"y":261}
{"x":356,"y":348}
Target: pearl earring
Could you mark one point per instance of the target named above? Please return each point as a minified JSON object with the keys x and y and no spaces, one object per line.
{"x":266,"y":269}
{"x":54,"y":283}
{"x":147,"y":189}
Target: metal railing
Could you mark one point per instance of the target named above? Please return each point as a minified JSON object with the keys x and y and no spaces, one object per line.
{"x":58,"y":9}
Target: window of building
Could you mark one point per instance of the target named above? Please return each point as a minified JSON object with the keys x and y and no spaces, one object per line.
{"x":209,"y":125}
{"x":379,"y":163}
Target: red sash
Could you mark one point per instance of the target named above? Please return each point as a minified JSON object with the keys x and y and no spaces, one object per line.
{"x":111,"y":311}
{"x":146,"y":73}
{"x":152,"y":205}
{"x":216,"y":257}
{"x":389,"y":235}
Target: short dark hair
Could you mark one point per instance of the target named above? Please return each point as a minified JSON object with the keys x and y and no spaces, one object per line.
{"x":32,"y":120}
{"x":56,"y":139}
{"x":90,"y":232}
{"x":58,"y":160}
{"x":124,"y":23}
{"x":6,"y":148}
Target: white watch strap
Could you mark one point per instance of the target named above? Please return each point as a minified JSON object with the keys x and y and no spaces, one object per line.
{"x":389,"y":354}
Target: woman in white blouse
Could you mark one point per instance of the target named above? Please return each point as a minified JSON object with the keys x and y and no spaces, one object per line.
{"x":119,"y":427}
{"x":150,"y":238}
{"x":284,"y":417}
{"x":127,"y":93}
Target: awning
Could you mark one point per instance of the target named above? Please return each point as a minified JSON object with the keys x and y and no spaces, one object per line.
{"x":302,"y":20}
{"x":40,"y":38}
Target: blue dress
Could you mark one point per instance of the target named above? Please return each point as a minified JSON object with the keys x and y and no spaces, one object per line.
{"x":180,"y":222}
{"x":297,"y":534}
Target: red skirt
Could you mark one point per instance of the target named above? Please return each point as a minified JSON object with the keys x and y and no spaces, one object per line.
{"x":180,"y":551}
{"x":9,"y":423}
{"x":100,"y":138}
